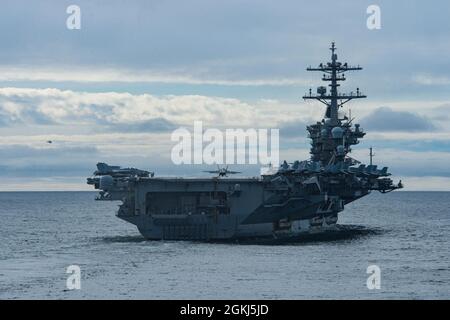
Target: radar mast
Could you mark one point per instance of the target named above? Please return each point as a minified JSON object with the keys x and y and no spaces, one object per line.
{"x":333,"y":137}
{"x":333,"y":73}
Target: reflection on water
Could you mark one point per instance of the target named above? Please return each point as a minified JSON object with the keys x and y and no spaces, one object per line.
{"x":124,"y":239}
{"x":341,"y":233}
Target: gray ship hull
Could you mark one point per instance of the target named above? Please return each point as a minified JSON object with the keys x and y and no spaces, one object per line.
{"x":222,"y":209}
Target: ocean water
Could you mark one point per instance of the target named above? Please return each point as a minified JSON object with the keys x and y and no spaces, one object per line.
{"x":406,"y":234}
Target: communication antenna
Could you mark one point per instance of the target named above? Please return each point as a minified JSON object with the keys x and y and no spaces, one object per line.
{"x":334,"y":72}
{"x":371,"y":154}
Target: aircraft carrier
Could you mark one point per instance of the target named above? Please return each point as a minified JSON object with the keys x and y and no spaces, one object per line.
{"x":297,"y":199}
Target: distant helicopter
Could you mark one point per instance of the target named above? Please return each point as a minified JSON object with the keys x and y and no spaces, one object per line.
{"x":222,"y":172}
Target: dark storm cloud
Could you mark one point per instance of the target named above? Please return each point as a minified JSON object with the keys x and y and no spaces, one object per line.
{"x":386,"y":119}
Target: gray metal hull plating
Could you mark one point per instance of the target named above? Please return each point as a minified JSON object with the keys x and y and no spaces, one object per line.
{"x":247,"y":208}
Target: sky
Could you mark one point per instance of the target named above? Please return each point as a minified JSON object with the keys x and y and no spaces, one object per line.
{"x":114,"y":90}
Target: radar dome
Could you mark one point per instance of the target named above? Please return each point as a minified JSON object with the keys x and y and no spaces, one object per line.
{"x":337,"y":133}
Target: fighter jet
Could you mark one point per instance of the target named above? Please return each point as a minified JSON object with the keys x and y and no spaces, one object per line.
{"x":222,"y":172}
{"x":116,"y":171}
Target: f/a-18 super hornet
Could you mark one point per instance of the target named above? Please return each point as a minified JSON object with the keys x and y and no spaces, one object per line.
{"x":299,"y":198}
{"x":223,"y":172}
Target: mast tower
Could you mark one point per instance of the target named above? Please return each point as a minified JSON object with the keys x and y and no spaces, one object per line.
{"x":326,"y":140}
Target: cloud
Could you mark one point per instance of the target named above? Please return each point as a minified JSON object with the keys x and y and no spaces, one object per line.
{"x":152,"y":125}
{"x":386,"y":119}
{"x":134,"y":130}
{"x":441,"y":114}
{"x":169,"y":41}
{"x":409,"y":163}
{"x":22,"y":160}
{"x":95,"y":74}
{"x":128,"y":112}
{"x":431,"y":80}
{"x":14,"y":113}
{"x":165,"y":47}
{"x":293,"y":129}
